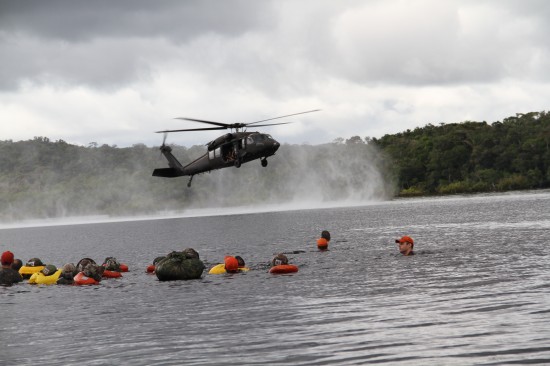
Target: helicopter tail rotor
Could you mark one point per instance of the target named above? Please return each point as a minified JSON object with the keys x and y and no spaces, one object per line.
{"x":163,"y":147}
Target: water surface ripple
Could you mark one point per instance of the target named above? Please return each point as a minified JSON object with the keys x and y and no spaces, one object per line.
{"x":476,"y":293}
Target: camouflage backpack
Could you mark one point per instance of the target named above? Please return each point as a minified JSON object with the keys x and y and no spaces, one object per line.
{"x":184,"y":265}
{"x":93,"y":271}
{"x":190,"y":253}
{"x":83,"y":263}
{"x":111,"y":264}
{"x":49,"y":270}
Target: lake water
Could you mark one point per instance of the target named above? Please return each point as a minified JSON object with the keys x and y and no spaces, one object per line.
{"x":476,"y":293}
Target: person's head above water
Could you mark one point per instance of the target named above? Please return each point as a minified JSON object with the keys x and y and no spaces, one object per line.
{"x":7,"y":258}
{"x":406,"y":245}
{"x":231,"y":264}
{"x":17,"y":263}
{"x":279,"y":259}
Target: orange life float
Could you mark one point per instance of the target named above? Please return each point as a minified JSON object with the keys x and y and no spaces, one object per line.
{"x":81,"y":279}
{"x":111,"y":274}
{"x":123,"y":267}
{"x":150,"y":268}
{"x":284,"y":268}
{"x":322,"y":244}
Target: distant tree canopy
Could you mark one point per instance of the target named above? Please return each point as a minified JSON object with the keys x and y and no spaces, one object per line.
{"x":472,"y":156}
{"x":43,"y":179}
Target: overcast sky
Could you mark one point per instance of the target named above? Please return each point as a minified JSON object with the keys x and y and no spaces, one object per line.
{"x":113,"y":72}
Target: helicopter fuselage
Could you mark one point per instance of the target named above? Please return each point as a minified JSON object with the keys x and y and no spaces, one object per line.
{"x":232,"y":149}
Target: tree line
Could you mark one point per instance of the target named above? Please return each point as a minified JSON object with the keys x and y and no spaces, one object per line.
{"x":471,"y":156}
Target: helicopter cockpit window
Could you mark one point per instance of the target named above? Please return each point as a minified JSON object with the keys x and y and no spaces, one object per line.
{"x":249,"y":140}
{"x":259,"y":138}
{"x":211,"y":154}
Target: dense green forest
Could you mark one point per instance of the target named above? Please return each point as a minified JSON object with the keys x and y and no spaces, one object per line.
{"x":472,"y":156}
{"x":44,"y":179}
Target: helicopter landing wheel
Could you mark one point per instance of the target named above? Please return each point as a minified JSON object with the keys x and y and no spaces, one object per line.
{"x":264,"y":162}
{"x":237,"y":163}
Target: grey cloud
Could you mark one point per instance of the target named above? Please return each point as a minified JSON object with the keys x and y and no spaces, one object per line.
{"x":106,"y":64}
{"x":83,"y":20}
{"x":107,"y":44}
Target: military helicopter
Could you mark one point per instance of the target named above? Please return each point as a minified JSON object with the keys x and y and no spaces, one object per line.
{"x":232,"y":149}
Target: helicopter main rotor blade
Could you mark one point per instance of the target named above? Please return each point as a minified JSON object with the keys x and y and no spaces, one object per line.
{"x":204,"y":121}
{"x":193,"y":129}
{"x":273,"y":124}
{"x":288,"y":115}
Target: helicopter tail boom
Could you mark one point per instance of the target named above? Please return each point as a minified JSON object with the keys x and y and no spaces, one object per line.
{"x":175,"y":169}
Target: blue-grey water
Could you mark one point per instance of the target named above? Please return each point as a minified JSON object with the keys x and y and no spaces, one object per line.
{"x":476,"y":293}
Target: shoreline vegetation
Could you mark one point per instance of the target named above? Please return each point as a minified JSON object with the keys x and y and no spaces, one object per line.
{"x":50,"y":179}
{"x":471,"y":157}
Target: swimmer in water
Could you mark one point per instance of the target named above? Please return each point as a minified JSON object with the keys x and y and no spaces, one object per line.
{"x":279,"y":259}
{"x":8,"y":276}
{"x":406,"y":245}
